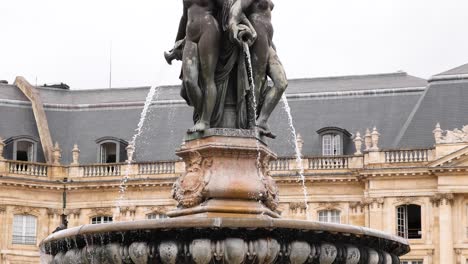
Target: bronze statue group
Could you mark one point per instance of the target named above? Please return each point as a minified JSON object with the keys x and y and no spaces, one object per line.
{"x":214,"y":75}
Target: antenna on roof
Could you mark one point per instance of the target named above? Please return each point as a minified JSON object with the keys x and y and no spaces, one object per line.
{"x":110,"y":65}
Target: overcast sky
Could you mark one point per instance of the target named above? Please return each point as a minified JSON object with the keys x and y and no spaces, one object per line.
{"x":69,"y":40}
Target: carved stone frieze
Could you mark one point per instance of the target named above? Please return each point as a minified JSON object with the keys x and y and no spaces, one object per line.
{"x":25,"y":210}
{"x":407,"y":199}
{"x":74,"y":212}
{"x":188,"y":189}
{"x":128,"y":210}
{"x":101,"y":211}
{"x":329,"y":205}
{"x":442,"y":199}
{"x":51,"y":212}
{"x":298,"y":207}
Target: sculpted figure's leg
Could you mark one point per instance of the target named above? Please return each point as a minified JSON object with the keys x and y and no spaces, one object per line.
{"x":259,"y":54}
{"x":208,"y":51}
{"x":273,"y":96}
{"x":190,"y":74}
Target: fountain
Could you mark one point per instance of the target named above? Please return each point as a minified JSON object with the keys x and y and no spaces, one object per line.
{"x":227,"y":200}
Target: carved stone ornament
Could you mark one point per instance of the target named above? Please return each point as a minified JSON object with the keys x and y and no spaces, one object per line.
{"x":101,"y":211}
{"x":128,"y":209}
{"x":2,"y":209}
{"x":229,"y":250}
{"x":272,"y":195}
{"x":450,"y":137}
{"x":53,"y":212}
{"x":329,"y":205}
{"x":157,"y":210}
{"x":407,"y":200}
{"x":298,"y":206}
{"x":442,"y":199}
{"x":25,"y":210}
{"x":188,"y":189}
{"x":75,"y":212}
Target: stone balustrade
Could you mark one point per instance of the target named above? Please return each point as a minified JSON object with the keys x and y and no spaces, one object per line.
{"x":403,"y":157}
{"x":151,"y":168}
{"x":407,"y":156}
{"x":101,"y":170}
{"x":329,"y":163}
{"x":27,"y":168}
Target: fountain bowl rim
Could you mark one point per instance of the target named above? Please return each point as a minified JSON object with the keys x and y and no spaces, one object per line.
{"x":222,"y":222}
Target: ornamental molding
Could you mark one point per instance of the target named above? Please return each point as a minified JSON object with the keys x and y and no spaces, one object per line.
{"x":51,"y":212}
{"x":440,"y":199}
{"x":157,"y":210}
{"x":330,"y":205}
{"x":75,"y":212}
{"x":102,"y":211}
{"x":2,"y":209}
{"x":128,"y":210}
{"x":25,"y":210}
{"x":407,"y":200}
{"x":298,"y":207}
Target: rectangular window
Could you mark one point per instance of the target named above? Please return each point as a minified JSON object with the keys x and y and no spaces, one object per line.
{"x":24,"y":229}
{"x":330,"y":216}
{"x":101,"y":219}
{"x":156,"y":216}
{"x":331,"y":145}
{"x":412,"y":261}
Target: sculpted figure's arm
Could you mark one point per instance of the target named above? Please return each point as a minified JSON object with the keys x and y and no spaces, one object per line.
{"x":176,"y":52}
{"x":239,"y":22}
{"x":182,"y":24}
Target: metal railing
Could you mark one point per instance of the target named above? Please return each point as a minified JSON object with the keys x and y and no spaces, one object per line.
{"x":329,"y":162}
{"x":101,"y":170}
{"x":406,"y":156}
{"x":148,"y":168}
{"x":27,"y":168}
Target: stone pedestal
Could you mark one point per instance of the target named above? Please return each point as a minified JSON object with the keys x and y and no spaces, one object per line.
{"x":227,"y":174}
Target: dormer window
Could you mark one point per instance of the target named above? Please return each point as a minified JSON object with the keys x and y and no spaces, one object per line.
{"x":22,"y":149}
{"x":334,"y":141}
{"x":111,"y":150}
{"x":331,"y":145}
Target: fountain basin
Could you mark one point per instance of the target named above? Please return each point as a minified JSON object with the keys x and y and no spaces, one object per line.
{"x":223,"y":240}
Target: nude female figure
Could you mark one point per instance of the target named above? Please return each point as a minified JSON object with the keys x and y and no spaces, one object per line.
{"x":265,"y":61}
{"x":200,"y":33}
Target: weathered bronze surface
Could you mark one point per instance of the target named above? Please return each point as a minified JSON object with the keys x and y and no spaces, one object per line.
{"x":215,"y":79}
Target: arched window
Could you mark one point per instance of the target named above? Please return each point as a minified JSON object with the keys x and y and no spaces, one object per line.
{"x":334,"y":141}
{"x":330,"y":216}
{"x":101,"y":219}
{"x":22,"y":148}
{"x":111,"y":150}
{"x":409,"y":221}
{"x":156,"y":216}
{"x":24,"y":229}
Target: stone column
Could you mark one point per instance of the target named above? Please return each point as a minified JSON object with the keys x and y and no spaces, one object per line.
{"x":2,"y":146}
{"x":446,"y":251}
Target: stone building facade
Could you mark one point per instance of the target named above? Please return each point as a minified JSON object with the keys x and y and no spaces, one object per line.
{"x":388,"y":151}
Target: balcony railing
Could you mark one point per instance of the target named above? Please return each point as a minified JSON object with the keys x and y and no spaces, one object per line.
{"x":329,"y":163}
{"x":101,"y":170}
{"x":149,"y":168}
{"x":280,"y":164}
{"x":27,"y":168}
{"x":407,"y":156}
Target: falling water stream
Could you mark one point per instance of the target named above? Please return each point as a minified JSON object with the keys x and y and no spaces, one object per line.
{"x":252,"y":90}
{"x":153,"y":92}
{"x":298,"y":153}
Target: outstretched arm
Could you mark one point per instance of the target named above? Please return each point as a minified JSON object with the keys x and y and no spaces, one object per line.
{"x":237,"y":17}
{"x":182,"y":24}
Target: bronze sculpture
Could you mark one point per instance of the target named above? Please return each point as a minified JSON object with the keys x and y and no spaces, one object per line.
{"x":214,"y":74}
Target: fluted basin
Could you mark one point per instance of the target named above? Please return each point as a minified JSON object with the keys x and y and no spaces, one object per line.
{"x":222,"y":240}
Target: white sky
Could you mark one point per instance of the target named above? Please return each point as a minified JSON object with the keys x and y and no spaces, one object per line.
{"x":69,"y":40}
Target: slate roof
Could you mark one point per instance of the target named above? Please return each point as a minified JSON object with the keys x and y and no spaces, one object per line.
{"x":316,"y":103}
{"x":463,"y":69}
